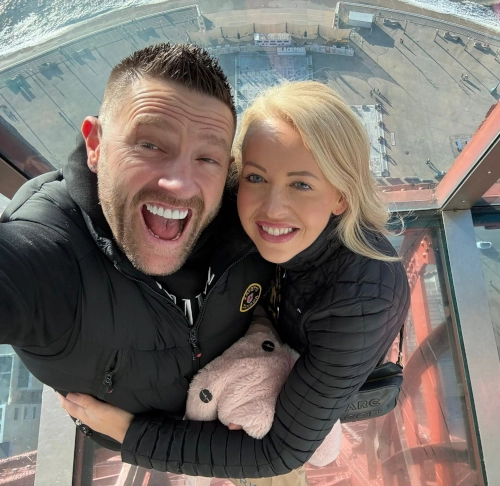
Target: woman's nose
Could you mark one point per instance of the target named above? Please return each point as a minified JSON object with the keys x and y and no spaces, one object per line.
{"x":275,"y":204}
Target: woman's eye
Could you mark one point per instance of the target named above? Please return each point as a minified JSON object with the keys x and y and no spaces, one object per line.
{"x":253,"y":178}
{"x":302,"y":186}
{"x":150,"y":146}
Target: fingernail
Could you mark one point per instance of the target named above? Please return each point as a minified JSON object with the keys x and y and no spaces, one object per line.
{"x":72,"y":396}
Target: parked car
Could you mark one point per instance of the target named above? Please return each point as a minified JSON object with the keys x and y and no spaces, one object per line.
{"x":483,"y":245}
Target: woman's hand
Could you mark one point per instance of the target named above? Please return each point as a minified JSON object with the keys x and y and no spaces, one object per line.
{"x":99,"y":416}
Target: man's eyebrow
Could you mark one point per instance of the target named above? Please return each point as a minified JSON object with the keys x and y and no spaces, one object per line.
{"x":249,"y":162}
{"x":213,"y":139}
{"x":154,"y":121}
{"x":163,"y":124}
{"x":302,"y":173}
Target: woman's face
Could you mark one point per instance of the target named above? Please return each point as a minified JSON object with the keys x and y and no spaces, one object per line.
{"x":284,"y":200}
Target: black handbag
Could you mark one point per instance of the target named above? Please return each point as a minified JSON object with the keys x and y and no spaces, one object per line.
{"x":379,"y":393}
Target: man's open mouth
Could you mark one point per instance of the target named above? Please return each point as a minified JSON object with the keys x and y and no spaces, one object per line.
{"x":165,"y":223}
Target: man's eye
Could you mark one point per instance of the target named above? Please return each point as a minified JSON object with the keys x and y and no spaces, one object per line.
{"x":254,"y":178}
{"x":302,"y":186}
{"x":209,"y":160}
{"x":150,"y":146}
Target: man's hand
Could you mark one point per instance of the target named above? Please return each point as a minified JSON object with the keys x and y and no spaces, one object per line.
{"x":99,"y":416}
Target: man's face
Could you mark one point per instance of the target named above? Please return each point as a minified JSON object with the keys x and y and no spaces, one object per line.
{"x":162,"y":163}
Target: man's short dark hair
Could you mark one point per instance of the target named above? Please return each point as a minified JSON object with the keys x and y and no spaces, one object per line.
{"x":186,"y":64}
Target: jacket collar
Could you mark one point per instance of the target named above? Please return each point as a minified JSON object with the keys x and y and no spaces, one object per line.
{"x":320,"y":250}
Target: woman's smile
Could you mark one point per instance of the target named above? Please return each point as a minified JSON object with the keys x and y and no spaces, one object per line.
{"x":276,"y":232}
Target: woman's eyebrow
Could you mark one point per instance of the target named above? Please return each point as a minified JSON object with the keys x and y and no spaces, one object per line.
{"x":249,"y":162}
{"x":302,"y":173}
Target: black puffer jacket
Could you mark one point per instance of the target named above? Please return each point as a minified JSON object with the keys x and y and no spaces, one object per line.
{"x":83,"y":319}
{"x":342,"y":312}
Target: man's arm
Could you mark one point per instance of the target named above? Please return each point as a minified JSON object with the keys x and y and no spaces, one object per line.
{"x":39,"y":285}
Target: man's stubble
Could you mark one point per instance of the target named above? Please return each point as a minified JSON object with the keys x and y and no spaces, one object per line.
{"x":126,"y":227}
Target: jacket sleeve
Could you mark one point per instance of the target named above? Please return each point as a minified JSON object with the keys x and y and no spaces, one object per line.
{"x":345,"y":343}
{"x":39,"y":285}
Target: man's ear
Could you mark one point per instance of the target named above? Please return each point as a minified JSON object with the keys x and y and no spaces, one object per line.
{"x":91,"y":131}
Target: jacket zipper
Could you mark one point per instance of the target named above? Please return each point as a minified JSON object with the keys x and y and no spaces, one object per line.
{"x":193,"y":335}
{"x":303,"y":317}
{"x":193,"y":331}
{"x":111,"y":369}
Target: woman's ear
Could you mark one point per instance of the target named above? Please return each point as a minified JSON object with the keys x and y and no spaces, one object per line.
{"x":92,"y":134}
{"x":340,"y":206}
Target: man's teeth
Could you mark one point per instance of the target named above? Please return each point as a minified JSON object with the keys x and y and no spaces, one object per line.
{"x":167,"y":213}
{"x":277,"y":231}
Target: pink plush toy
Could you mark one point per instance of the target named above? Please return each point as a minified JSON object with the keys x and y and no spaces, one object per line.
{"x":242,"y":385}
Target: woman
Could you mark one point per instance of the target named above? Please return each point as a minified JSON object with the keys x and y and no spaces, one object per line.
{"x":309,"y":202}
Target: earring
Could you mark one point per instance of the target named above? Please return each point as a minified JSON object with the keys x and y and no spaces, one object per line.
{"x":92,"y":168}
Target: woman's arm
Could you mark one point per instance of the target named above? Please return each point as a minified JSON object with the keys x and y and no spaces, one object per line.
{"x":343,"y":350}
{"x":346,"y":342}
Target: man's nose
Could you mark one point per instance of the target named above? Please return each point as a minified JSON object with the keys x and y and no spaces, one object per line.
{"x":179,"y":178}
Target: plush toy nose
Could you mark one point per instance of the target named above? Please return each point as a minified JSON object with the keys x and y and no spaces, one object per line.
{"x":268,"y":346}
{"x":205,"y":396}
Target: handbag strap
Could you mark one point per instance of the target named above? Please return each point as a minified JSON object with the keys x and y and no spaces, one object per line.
{"x":400,"y":354}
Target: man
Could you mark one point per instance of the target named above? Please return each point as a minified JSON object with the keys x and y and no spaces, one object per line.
{"x":119,"y":277}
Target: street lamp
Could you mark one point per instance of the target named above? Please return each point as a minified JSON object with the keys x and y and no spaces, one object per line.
{"x":493,"y":90}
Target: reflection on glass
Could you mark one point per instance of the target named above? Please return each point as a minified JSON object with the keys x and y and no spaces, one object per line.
{"x":487,"y":229}
{"x":20,"y":402}
{"x":411,"y":78}
{"x":491,"y":197}
{"x":3,"y":203}
{"x":425,"y":440}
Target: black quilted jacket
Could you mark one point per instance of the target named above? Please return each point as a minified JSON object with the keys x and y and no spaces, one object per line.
{"x":342,"y":312}
{"x":83,"y":319}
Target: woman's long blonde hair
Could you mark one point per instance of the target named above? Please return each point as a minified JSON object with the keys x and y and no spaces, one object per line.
{"x":337,"y":139}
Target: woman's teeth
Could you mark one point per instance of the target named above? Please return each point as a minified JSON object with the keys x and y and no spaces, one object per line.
{"x":167,"y":213}
{"x":277,"y":231}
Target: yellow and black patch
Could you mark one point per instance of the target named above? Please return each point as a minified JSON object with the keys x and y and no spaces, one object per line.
{"x":250,"y":297}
